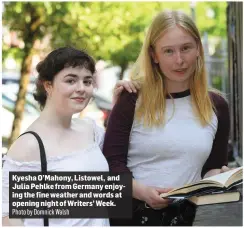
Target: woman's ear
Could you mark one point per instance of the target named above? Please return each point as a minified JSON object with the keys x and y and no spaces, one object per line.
{"x":198,"y":50}
{"x":48,"y":87}
{"x":153,"y":55}
{"x":198,"y":53}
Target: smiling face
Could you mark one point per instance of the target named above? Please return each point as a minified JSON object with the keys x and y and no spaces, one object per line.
{"x":71,"y":90}
{"x":176,"y":53}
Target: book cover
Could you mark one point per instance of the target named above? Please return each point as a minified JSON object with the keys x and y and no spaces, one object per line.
{"x":216,"y":197}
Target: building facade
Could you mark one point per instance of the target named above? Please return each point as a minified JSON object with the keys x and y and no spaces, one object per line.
{"x":235,"y":77}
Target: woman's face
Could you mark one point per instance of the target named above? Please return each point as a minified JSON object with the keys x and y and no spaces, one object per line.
{"x":71,"y":90}
{"x":176,"y":53}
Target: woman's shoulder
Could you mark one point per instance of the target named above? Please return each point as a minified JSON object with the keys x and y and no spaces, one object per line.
{"x":87,"y":124}
{"x":84,"y":123}
{"x":218,"y":98}
{"x":92,"y":127}
{"x":24,"y":149}
{"x":220,"y":103}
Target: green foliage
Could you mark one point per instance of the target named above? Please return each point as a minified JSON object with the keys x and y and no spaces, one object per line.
{"x":217,"y":82}
{"x":215,"y":25}
{"x":13,"y":52}
{"x":113,"y":31}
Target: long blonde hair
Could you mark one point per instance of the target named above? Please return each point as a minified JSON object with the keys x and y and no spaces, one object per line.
{"x":151,"y":107}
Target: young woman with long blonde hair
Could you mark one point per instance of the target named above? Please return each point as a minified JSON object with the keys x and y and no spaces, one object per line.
{"x":175,"y":131}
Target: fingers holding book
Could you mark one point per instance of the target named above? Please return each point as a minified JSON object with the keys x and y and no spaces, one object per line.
{"x":214,"y":172}
{"x":153,"y":199}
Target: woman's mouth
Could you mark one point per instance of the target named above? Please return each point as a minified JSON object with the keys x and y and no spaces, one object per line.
{"x":78,"y":99}
{"x":180,"y":71}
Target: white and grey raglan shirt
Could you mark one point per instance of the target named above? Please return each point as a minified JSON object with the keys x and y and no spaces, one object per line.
{"x":178,"y":153}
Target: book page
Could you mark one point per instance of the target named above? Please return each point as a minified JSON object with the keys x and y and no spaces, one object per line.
{"x":218,"y":180}
{"x":222,"y":177}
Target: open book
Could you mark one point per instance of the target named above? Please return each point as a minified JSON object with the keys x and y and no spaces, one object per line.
{"x":216,"y":197}
{"x":223,"y":181}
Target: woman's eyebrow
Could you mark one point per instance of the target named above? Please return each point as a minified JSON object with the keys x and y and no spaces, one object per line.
{"x":71,"y":75}
{"x":76,"y":76}
{"x":170,"y":46}
{"x":88,"y":77}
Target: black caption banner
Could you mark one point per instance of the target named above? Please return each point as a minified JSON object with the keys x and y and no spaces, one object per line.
{"x":70,"y":195}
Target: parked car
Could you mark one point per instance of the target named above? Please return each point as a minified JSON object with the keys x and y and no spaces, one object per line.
{"x":14,"y":78}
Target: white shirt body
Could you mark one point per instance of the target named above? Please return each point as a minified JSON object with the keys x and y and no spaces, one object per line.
{"x":173,"y":154}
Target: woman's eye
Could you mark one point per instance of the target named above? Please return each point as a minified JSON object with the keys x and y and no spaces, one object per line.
{"x":71,"y":81}
{"x":88,"y":82}
{"x":185,"y":48}
{"x":168,"y":51}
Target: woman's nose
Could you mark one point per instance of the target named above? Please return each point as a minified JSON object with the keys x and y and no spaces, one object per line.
{"x":179,"y":59}
{"x":80,"y":87}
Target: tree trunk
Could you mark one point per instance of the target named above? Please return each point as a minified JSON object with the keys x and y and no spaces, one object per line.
{"x":20,"y":103}
{"x":123,"y":68}
{"x":30,"y":35}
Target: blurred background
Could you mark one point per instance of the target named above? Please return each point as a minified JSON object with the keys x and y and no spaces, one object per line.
{"x":112,"y":32}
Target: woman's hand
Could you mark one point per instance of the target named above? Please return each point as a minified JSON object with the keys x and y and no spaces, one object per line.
{"x":150,"y":195}
{"x":225,"y":169}
{"x":213,"y":172}
{"x":153,"y":199}
{"x":122,"y":84}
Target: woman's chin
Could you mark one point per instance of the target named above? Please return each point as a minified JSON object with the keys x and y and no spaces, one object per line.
{"x":79,"y":108}
{"x":77,"y":111}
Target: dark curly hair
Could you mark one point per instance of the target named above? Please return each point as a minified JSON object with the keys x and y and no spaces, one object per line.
{"x":56,"y":61}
